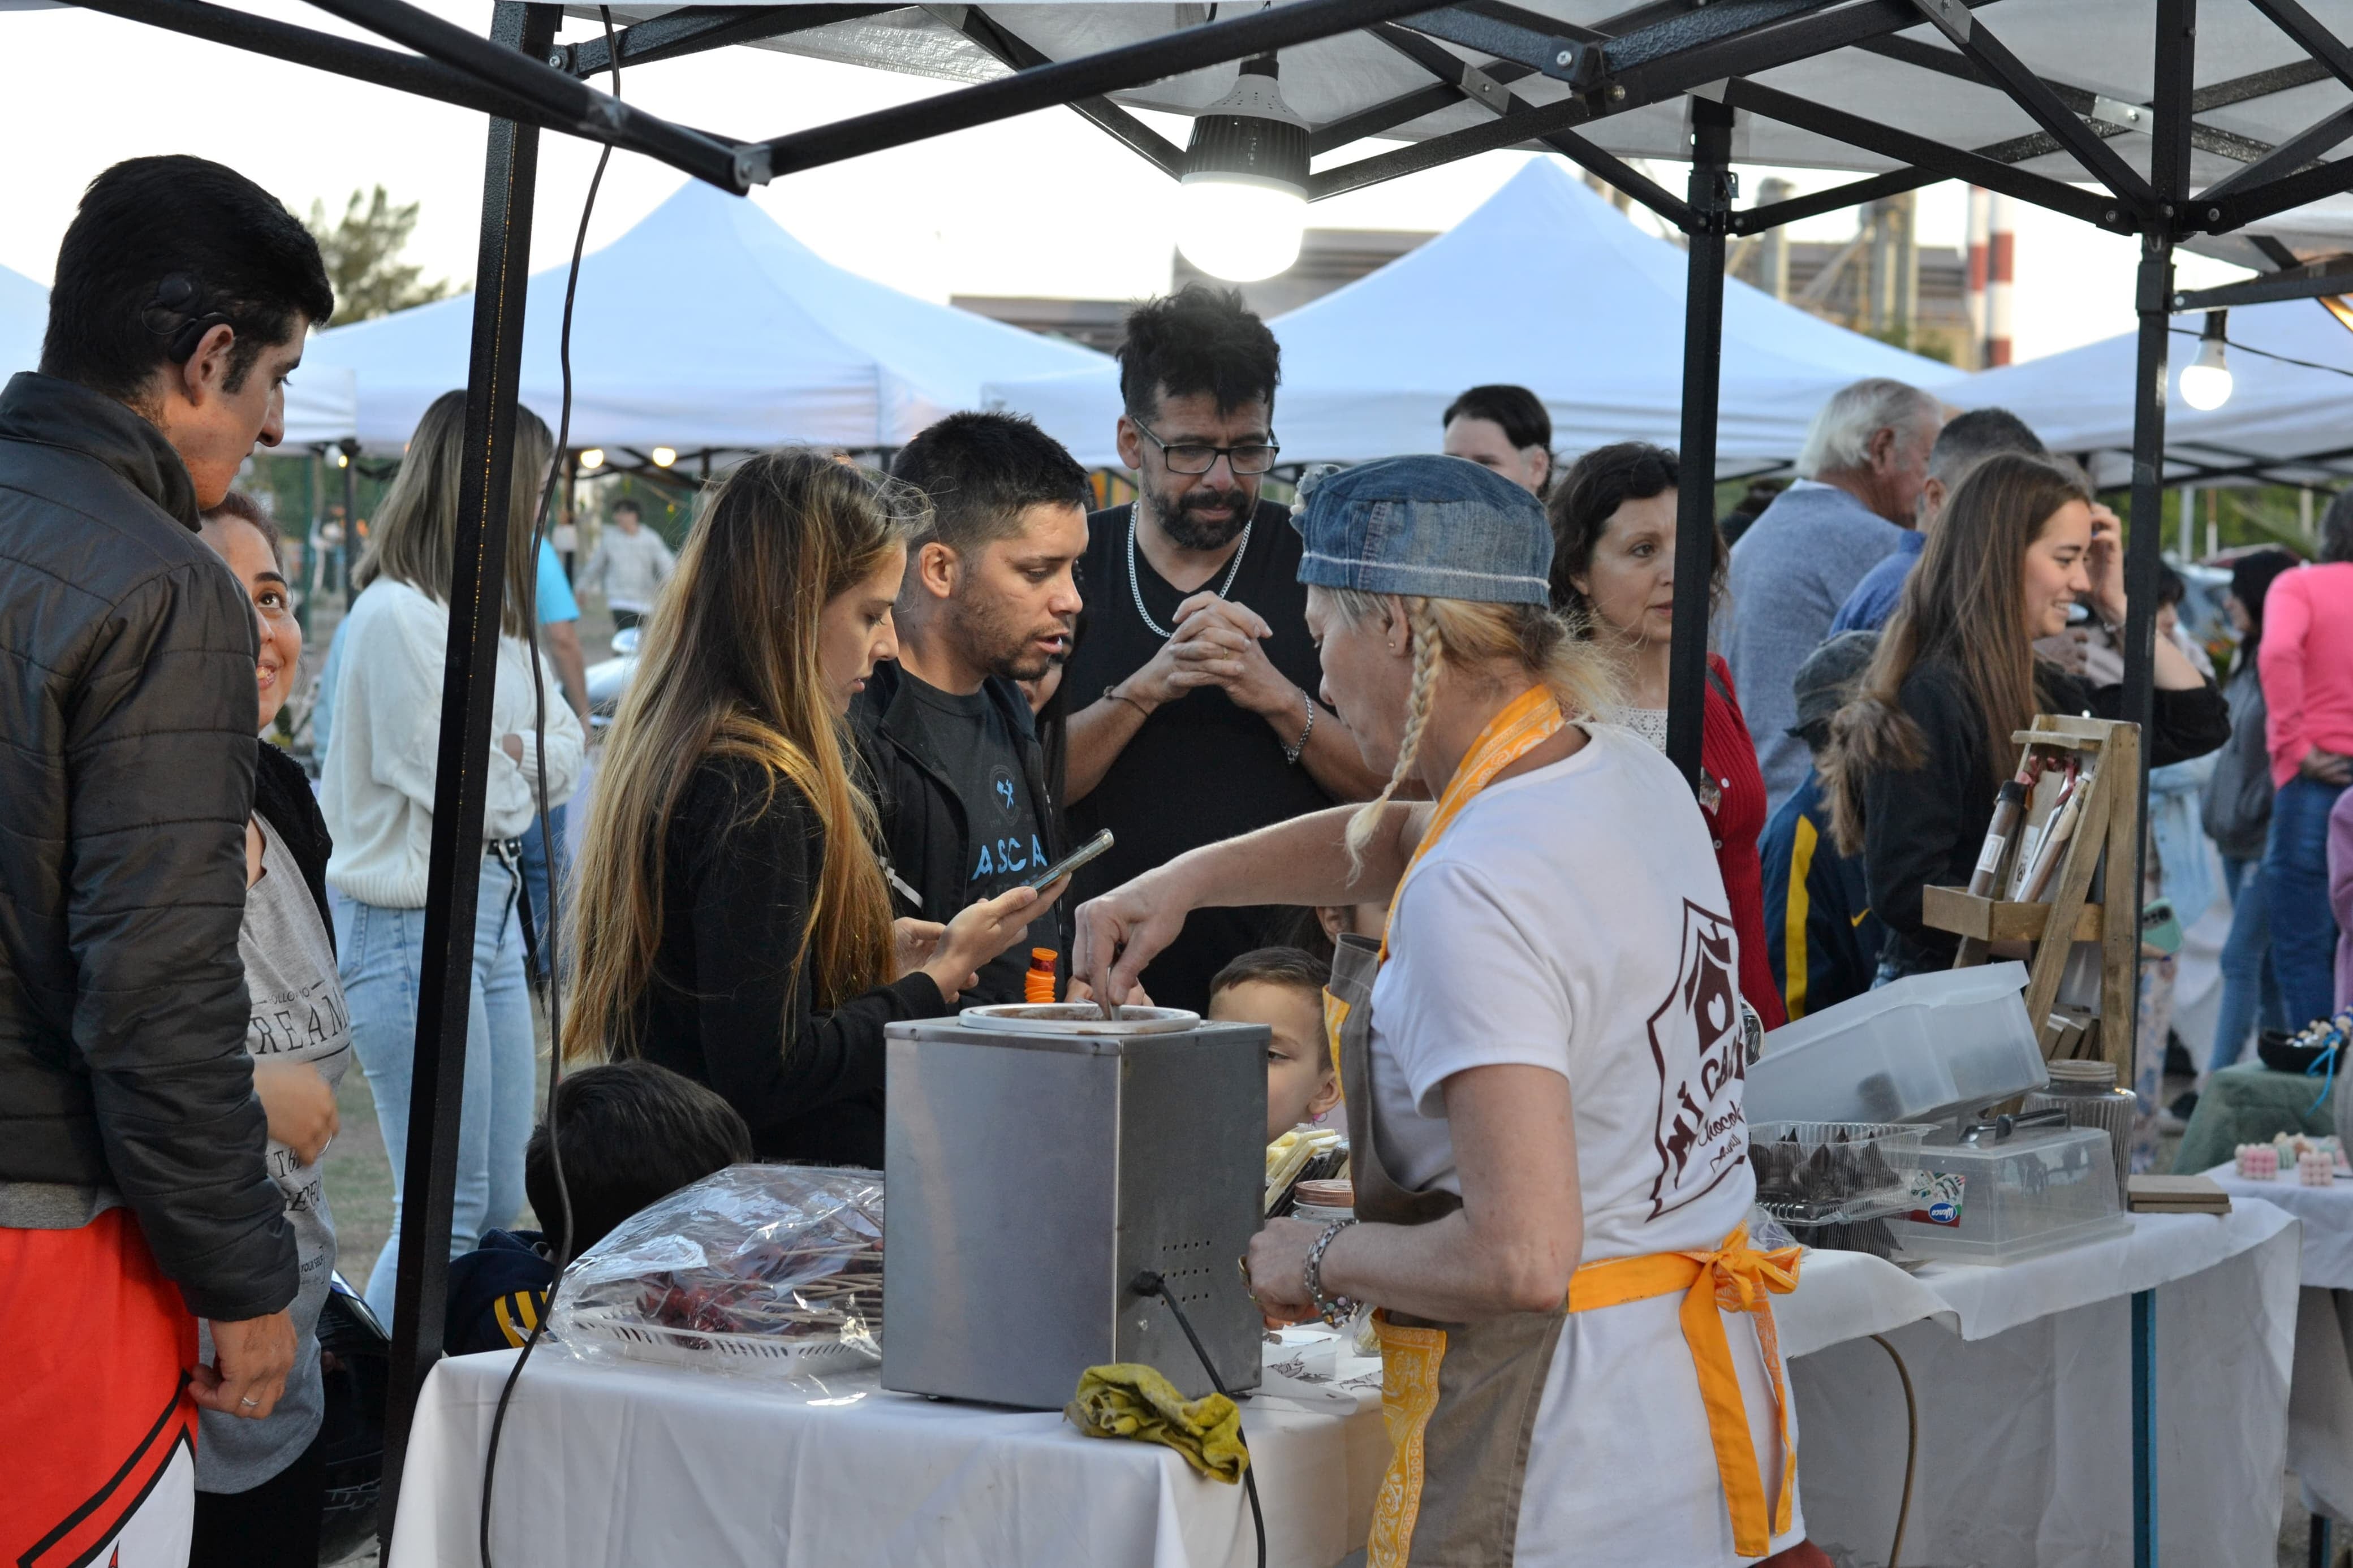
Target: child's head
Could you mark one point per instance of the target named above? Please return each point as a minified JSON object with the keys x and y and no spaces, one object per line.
{"x":1283,"y":987}
{"x":633,"y":1133}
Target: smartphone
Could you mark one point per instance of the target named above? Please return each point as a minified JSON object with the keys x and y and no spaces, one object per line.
{"x":1072,"y":861}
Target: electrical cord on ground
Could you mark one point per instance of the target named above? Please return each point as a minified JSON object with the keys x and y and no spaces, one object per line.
{"x":1911,"y":1446}
{"x":553,"y":994}
{"x":1148,"y":1283}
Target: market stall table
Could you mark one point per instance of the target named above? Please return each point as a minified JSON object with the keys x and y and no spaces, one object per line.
{"x":2021,"y":1372}
{"x":2320,"y":1391}
{"x":2248,"y":1104}
{"x":609,"y":1463}
{"x":2023,"y":1381}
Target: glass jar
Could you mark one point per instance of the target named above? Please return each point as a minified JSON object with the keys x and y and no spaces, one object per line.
{"x":2087,"y":1092}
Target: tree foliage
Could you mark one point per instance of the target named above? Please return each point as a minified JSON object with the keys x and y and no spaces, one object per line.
{"x":363,"y":254}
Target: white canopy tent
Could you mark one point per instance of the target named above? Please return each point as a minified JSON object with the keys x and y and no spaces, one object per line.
{"x":2286,"y":421}
{"x":319,"y":403}
{"x":707,"y":326}
{"x":1545,"y":285}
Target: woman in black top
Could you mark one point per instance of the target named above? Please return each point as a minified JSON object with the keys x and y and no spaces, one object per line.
{"x":730,"y":917}
{"x":1917,"y":758}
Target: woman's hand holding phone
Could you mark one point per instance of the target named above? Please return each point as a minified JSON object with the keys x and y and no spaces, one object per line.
{"x":982,"y":930}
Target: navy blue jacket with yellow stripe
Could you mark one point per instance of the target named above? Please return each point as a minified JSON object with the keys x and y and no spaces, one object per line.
{"x":1820,"y":932}
{"x":496,"y":1293}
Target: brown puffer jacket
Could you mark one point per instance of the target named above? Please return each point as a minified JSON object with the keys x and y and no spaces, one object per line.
{"x":127,"y":718}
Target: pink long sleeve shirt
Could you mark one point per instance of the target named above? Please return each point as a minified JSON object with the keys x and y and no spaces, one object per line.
{"x":2307,"y":665}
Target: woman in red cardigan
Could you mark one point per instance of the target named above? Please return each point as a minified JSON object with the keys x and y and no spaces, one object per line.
{"x":1613,"y":525}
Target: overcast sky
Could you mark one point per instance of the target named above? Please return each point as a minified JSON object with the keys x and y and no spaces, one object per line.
{"x":1044,"y":205}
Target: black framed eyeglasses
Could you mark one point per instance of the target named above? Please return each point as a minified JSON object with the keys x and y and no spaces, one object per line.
{"x":1248,"y":459}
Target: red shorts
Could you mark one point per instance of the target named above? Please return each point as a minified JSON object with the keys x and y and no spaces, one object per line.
{"x":95,"y":1418}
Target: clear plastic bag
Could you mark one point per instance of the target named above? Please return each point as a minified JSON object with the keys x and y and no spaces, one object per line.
{"x":765,"y":1269}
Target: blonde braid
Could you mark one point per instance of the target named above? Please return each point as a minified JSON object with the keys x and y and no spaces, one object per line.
{"x":1428,"y":662}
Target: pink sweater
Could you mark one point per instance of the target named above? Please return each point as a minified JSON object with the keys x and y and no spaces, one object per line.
{"x":2308,"y":664}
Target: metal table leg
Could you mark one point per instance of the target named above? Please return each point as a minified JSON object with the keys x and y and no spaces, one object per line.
{"x":2144,"y":1418}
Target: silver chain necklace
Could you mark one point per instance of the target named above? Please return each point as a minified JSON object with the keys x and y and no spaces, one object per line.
{"x":1224,"y":589}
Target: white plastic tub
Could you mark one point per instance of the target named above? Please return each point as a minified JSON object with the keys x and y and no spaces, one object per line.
{"x":1925,"y":1044}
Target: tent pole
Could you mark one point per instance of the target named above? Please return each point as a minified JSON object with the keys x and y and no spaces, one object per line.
{"x":1712,"y":185}
{"x":477,"y":594}
{"x":2169,"y":168}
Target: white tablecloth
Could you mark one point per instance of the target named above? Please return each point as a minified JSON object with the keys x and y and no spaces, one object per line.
{"x":2021,"y":1373}
{"x":2320,"y":1393}
{"x":2024,"y":1383}
{"x":606,"y":1464}
{"x":2327,"y":1215}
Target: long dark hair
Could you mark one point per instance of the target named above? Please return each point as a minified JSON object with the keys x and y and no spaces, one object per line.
{"x":2251,"y":576}
{"x":1964,"y":605}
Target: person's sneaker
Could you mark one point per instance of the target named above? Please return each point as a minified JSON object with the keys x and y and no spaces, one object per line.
{"x":2175,"y":1118}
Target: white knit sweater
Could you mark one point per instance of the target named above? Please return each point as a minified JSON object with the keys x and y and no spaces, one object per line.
{"x":376,"y":787}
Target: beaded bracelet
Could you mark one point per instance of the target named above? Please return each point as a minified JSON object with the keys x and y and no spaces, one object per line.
{"x":1334,"y":1310}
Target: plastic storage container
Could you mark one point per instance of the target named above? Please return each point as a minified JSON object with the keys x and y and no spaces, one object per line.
{"x":1997,"y":1202}
{"x":1926,"y":1044}
{"x":1817,"y":1173}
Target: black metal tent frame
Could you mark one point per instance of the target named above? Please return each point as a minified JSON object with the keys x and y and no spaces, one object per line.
{"x":1656,"y":52}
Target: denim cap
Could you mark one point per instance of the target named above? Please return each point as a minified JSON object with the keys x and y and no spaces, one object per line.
{"x":1438,"y":527}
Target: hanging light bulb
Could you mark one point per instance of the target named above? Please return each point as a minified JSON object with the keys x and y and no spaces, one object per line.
{"x":664,"y":457}
{"x":593,"y":458}
{"x":343,"y":460}
{"x":1243,"y":201}
{"x":2205,"y":380}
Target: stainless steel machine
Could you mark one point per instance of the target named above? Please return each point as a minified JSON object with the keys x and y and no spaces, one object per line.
{"x":1034,"y":1174}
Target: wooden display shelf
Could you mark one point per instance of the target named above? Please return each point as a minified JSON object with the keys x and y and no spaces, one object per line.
{"x":2103,"y":844}
{"x":1990,"y":920}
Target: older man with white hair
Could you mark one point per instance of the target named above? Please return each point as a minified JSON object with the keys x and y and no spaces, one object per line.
{"x":1864,"y":465}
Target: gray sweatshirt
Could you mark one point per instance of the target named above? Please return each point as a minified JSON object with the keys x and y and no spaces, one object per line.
{"x":631,"y":567}
{"x":1790,"y":572}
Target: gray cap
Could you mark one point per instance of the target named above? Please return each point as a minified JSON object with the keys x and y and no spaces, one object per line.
{"x":1825,"y":682}
{"x":1438,"y":527}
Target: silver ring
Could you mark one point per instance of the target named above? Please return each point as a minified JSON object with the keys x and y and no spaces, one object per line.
{"x":250,"y":1404}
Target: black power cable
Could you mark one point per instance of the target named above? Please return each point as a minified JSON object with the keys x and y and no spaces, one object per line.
{"x":1148,"y":1283}
{"x":554,"y":994}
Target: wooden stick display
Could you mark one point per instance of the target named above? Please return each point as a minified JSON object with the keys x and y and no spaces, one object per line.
{"x":2081,"y":779}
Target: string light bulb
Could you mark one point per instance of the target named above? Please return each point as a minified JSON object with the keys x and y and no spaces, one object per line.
{"x":1243,"y":203}
{"x":664,"y":457}
{"x":2205,"y":380}
{"x":593,"y":458}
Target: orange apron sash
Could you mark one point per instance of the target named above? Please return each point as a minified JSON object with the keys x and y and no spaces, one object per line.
{"x":1732,"y":1277}
{"x":1525,"y":722}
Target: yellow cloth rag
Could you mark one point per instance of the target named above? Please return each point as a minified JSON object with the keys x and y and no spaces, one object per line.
{"x":1129,"y":1400}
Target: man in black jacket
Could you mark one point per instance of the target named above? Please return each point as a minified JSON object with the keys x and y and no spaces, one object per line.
{"x":968,"y":808}
{"x":133,"y":1194}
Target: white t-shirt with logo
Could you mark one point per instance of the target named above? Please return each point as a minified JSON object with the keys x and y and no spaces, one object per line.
{"x":1573,"y":919}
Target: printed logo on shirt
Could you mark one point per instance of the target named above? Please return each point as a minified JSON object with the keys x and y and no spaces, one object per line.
{"x":1000,"y":784}
{"x":1695,"y":1043}
{"x":1004,"y":857}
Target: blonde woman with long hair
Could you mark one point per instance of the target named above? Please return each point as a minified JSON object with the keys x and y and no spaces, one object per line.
{"x":375,"y":789}
{"x":1542,"y":1063}
{"x":731,"y":920}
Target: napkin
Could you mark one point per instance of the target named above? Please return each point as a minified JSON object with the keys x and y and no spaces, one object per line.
{"x":1129,"y":1400}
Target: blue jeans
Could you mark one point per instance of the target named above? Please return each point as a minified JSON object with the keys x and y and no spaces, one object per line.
{"x":2250,"y":984}
{"x":383,"y":953}
{"x":535,"y":883}
{"x":2303,"y":926}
